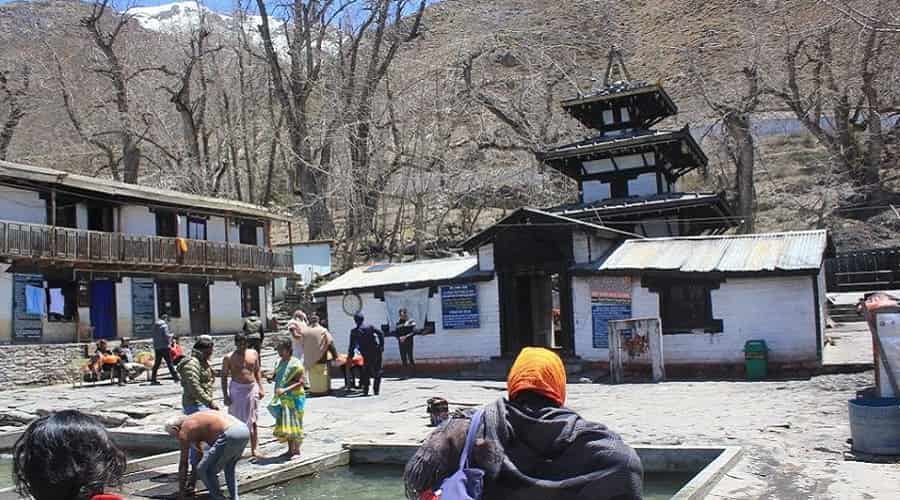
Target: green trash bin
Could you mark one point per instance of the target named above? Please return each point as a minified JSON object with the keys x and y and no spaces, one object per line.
{"x":756,"y":359}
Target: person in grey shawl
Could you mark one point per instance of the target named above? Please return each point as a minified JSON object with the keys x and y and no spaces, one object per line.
{"x":531,"y":447}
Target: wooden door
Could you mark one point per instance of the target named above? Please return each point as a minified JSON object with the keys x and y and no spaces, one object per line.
{"x":199,"y":306}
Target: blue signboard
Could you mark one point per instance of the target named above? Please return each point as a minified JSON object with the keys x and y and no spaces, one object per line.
{"x":459,"y":307}
{"x":604,"y":312}
{"x":143,"y":306}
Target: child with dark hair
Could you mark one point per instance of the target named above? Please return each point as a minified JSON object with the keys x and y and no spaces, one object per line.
{"x":67,"y":455}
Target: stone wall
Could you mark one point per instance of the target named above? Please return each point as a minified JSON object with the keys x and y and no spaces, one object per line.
{"x":33,"y":364}
{"x":44,"y":364}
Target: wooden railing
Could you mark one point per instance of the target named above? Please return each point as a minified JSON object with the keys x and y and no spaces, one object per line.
{"x":37,"y":241}
{"x":863,"y":270}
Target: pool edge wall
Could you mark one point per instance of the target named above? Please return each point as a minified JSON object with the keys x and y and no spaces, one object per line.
{"x":707,"y":463}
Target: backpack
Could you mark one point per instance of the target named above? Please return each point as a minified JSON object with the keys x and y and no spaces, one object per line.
{"x":466,"y":483}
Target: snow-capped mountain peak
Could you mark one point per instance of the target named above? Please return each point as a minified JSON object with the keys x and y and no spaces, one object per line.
{"x":184,"y":17}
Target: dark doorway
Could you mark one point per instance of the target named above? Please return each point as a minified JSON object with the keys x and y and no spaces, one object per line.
{"x":103,"y":309}
{"x":66,"y":216}
{"x":526,"y":307}
{"x":100,"y":217}
{"x":199,"y":303}
{"x":166,"y":224}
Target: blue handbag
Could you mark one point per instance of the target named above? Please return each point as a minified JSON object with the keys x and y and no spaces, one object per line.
{"x":466,"y":483}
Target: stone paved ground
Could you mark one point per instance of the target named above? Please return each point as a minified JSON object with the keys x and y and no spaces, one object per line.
{"x":793,"y":432}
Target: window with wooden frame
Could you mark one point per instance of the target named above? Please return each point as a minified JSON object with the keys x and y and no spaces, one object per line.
{"x":247,"y":232}
{"x":168,"y":299}
{"x":249,"y":300}
{"x":62,"y":301}
{"x":685,"y":305}
{"x":196,"y":228}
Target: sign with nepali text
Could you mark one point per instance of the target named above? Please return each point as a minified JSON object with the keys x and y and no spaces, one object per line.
{"x":604,"y":311}
{"x":143,"y":306}
{"x":459,"y":307}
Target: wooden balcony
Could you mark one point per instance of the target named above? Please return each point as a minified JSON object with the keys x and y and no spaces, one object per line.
{"x":118,"y":251}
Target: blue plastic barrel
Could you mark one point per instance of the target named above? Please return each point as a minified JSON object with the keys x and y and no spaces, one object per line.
{"x":875,"y":425}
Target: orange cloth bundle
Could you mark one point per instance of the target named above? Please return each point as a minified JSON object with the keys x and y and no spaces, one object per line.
{"x":109,"y":359}
{"x":182,"y":245}
{"x":539,"y":370}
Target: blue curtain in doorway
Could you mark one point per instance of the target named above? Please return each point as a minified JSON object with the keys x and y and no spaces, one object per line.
{"x":103,"y":309}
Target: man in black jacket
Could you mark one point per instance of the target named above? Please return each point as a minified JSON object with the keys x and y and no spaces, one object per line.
{"x":370,"y":343}
{"x":406,"y":330}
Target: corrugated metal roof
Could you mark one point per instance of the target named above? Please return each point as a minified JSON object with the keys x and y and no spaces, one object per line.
{"x":788,"y":251}
{"x":407,"y":273}
{"x":114,"y":188}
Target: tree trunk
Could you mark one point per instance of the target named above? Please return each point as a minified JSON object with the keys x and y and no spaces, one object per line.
{"x":742,"y":150}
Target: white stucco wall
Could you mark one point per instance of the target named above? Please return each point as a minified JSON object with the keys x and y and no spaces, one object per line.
{"x":445,"y":345}
{"x":215,"y":229}
{"x":225,"y":307}
{"x":19,"y":205}
{"x":137,"y":220}
{"x":778,"y":310}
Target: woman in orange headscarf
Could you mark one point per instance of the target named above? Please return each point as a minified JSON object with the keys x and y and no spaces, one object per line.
{"x":531,"y":446}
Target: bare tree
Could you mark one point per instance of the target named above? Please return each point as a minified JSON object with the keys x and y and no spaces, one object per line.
{"x":12,"y":98}
{"x":836,"y":82}
{"x":365,"y":53}
{"x":295,"y":77}
{"x":735,"y":113}
{"x":110,"y":67}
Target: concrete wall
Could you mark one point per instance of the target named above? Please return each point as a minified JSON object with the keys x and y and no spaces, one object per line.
{"x":19,"y":205}
{"x":778,"y":310}
{"x":445,"y":345}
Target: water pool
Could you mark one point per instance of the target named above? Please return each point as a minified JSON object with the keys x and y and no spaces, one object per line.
{"x":383,"y":482}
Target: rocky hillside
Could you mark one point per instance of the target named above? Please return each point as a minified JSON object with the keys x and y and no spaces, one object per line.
{"x":526,"y":54}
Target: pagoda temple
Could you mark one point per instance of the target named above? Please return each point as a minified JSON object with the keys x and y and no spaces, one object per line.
{"x":627,"y":175}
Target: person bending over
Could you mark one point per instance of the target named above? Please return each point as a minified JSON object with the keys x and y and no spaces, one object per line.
{"x":67,"y":455}
{"x":226,"y":438}
{"x":531,"y":447}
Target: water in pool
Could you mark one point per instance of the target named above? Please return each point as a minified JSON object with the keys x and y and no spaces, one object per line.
{"x":5,"y":471}
{"x":383,"y":482}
